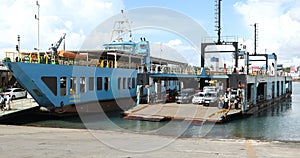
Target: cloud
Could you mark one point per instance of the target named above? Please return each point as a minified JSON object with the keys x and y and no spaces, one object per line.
{"x":160,"y":26}
{"x":176,"y":50}
{"x":278,"y":26}
{"x":77,"y":18}
{"x":175,"y":42}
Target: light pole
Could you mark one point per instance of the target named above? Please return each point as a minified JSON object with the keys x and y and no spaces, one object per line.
{"x":37,"y":17}
{"x":18,"y":48}
{"x":255,"y":37}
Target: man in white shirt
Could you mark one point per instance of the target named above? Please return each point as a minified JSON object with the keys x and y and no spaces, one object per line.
{"x":2,"y":102}
{"x":8,"y":101}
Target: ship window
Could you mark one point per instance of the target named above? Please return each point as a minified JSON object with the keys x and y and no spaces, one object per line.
{"x":63,"y":86}
{"x":73,"y":85}
{"x":167,"y":83}
{"x":142,"y":46}
{"x":51,"y":83}
{"x":99,"y":83}
{"x":128,"y":83}
{"x":133,"y":83}
{"x":163,"y":83}
{"x":106,"y":83}
{"x":91,"y":83}
{"x":124,"y":83}
{"x":119,"y":82}
{"x":82,"y":84}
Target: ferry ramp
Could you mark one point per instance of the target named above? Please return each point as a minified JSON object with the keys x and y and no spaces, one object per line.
{"x":191,"y":112}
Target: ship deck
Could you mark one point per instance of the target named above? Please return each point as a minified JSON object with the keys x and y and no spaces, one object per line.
{"x":188,"y":112}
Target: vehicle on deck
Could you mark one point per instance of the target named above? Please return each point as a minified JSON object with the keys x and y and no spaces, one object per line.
{"x":198,"y":98}
{"x":15,"y":93}
{"x":211,"y":99}
{"x":207,"y":89}
{"x":171,"y":96}
{"x":185,"y":96}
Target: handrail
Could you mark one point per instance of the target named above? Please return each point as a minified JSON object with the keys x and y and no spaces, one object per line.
{"x":70,"y":59}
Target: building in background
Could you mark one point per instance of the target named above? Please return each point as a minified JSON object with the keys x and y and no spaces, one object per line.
{"x":215,"y":64}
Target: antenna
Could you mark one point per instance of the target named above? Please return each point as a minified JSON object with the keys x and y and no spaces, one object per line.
{"x":218,"y":29}
{"x":255,"y":38}
{"x":218,"y":19}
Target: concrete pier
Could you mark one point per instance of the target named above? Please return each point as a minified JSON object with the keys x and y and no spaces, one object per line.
{"x":20,"y":141}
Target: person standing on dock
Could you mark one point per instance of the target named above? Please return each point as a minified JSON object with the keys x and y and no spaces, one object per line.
{"x":236,"y":102}
{"x":221,"y":102}
{"x":2,"y":102}
{"x":8,"y":101}
{"x":138,"y":95}
{"x":242,"y":99}
{"x":226,"y":99}
{"x":241,"y":94}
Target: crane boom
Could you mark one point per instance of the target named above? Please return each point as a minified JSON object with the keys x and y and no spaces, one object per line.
{"x":56,"y":45}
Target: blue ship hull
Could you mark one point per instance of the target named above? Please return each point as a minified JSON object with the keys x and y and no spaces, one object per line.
{"x":92,"y":84}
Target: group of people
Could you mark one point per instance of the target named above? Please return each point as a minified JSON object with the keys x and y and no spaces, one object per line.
{"x":5,"y":102}
{"x":229,"y":100}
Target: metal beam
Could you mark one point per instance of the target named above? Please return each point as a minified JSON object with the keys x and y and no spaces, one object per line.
{"x":203,"y":51}
{"x":257,"y":60}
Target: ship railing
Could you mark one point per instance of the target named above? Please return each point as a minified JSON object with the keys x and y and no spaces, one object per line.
{"x":28,"y":57}
{"x":44,"y":58}
{"x":32,"y":57}
{"x":174,"y":69}
{"x":214,"y":39}
{"x":215,"y":73}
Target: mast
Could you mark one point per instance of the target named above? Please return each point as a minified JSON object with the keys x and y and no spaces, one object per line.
{"x":37,"y":17}
{"x":219,"y":42}
{"x":18,"y":48}
{"x":255,"y":38}
{"x":218,"y":19}
{"x":121,"y":27}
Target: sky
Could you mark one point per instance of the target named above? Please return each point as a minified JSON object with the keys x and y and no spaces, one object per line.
{"x":278,"y":24}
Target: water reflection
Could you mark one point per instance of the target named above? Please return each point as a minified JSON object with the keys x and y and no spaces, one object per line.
{"x":279,"y":122}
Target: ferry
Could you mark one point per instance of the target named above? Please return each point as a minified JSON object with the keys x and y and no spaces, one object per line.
{"x":91,"y":80}
{"x":124,"y":72}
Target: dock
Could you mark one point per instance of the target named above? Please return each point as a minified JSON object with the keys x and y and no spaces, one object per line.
{"x":173,"y":111}
{"x":18,"y":106}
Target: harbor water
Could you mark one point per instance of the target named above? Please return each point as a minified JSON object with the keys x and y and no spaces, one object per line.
{"x":279,"y":122}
